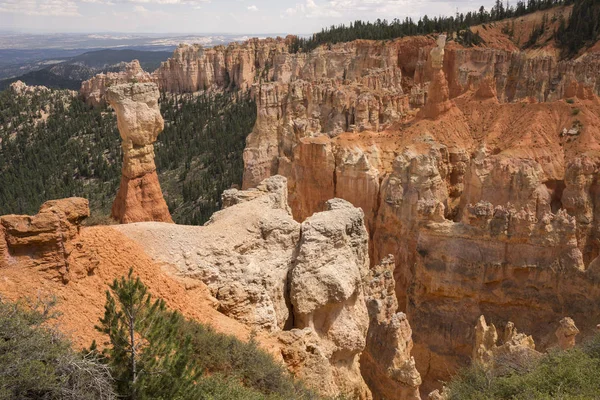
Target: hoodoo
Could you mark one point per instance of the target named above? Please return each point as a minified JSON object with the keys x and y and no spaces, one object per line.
{"x":438,"y":99}
{"x":138,"y":117}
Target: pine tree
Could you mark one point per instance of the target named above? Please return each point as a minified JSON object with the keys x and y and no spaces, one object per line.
{"x":157,"y":354}
{"x":129,"y":318}
{"x":147,"y":358}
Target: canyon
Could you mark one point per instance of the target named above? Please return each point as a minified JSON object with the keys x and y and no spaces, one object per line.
{"x":397,"y":195}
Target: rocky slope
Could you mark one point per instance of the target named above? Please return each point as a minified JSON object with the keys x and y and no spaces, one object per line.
{"x":51,"y":255}
{"x":304,"y":283}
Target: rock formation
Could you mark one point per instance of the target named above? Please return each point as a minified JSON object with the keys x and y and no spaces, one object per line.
{"x":94,"y":90}
{"x":194,"y":68}
{"x":515,"y":352}
{"x":438,"y":94}
{"x":566,"y":333}
{"x":139,"y":120}
{"x":486,"y":205}
{"x":45,"y":241}
{"x":386,"y":363}
{"x":301,"y":282}
{"x":20,"y":88}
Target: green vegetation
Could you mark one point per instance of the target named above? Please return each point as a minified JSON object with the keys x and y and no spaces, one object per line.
{"x":53,"y":146}
{"x":384,"y":30}
{"x":583,"y":28}
{"x":199,"y":154}
{"x":155,"y":353}
{"x":36,"y":362}
{"x":567,"y":375}
{"x":152,"y":353}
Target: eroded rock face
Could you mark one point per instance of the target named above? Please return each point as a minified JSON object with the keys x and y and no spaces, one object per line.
{"x":94,"y":90}
{"x":326,"y":291}
{"x":46,"y":240}
{"x":485,"y":204}
{"x":194,"y":68}
{"x":386,"y":363}
{"x":566,"y":333}
{"x":515,"y":352}
{"x":487,"y":207}
{"x":301,"y":282}
{"x":139,"y":121}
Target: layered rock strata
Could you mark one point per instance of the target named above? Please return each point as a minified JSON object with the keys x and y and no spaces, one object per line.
{"x":488,"y":208}
{"x":45,"y":241}
{"x":488,"y":204}
{"x":138,"y":117}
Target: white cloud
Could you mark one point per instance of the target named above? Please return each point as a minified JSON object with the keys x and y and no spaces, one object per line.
{"x":162,"y":2}
{"x":358,"y":8}
{"x":40,"y":7}
{"x":310,"y":9}
{"x":252,"y":8}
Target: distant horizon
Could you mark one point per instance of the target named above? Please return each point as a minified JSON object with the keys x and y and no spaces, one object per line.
{"x":158,"y":34}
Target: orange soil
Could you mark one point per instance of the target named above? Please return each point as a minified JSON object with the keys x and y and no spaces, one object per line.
{"x":81,"y":301}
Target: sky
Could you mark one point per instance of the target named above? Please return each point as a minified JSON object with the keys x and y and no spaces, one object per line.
{"x":211,"y":16}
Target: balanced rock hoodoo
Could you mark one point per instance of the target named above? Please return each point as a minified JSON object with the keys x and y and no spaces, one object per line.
{"x":138,"y":116}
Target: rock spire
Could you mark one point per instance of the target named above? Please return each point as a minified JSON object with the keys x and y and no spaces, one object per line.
{"x":139,"y":120}
{"x":438,"y":95}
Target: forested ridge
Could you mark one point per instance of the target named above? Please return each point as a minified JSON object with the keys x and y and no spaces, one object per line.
{"x":199,"y":155}
{"x":53,"y":146}
{"x":581,"y":29}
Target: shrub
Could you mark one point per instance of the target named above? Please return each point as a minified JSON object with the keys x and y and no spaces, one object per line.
{"x":575,"y":111}
{"x":36,"y":362}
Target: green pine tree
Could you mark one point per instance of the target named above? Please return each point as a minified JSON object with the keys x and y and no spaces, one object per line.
{"x":157,"y":354}
{"x":146,"y":357}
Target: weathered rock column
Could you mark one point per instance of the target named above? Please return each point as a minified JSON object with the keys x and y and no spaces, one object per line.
{"x":138,"y":116}
{"x":438,"y":95}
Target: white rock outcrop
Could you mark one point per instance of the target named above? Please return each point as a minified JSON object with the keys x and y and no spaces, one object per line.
{"x":304,"y":283}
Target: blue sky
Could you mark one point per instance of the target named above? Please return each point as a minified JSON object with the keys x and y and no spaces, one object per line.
{"x":211,"y":16}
